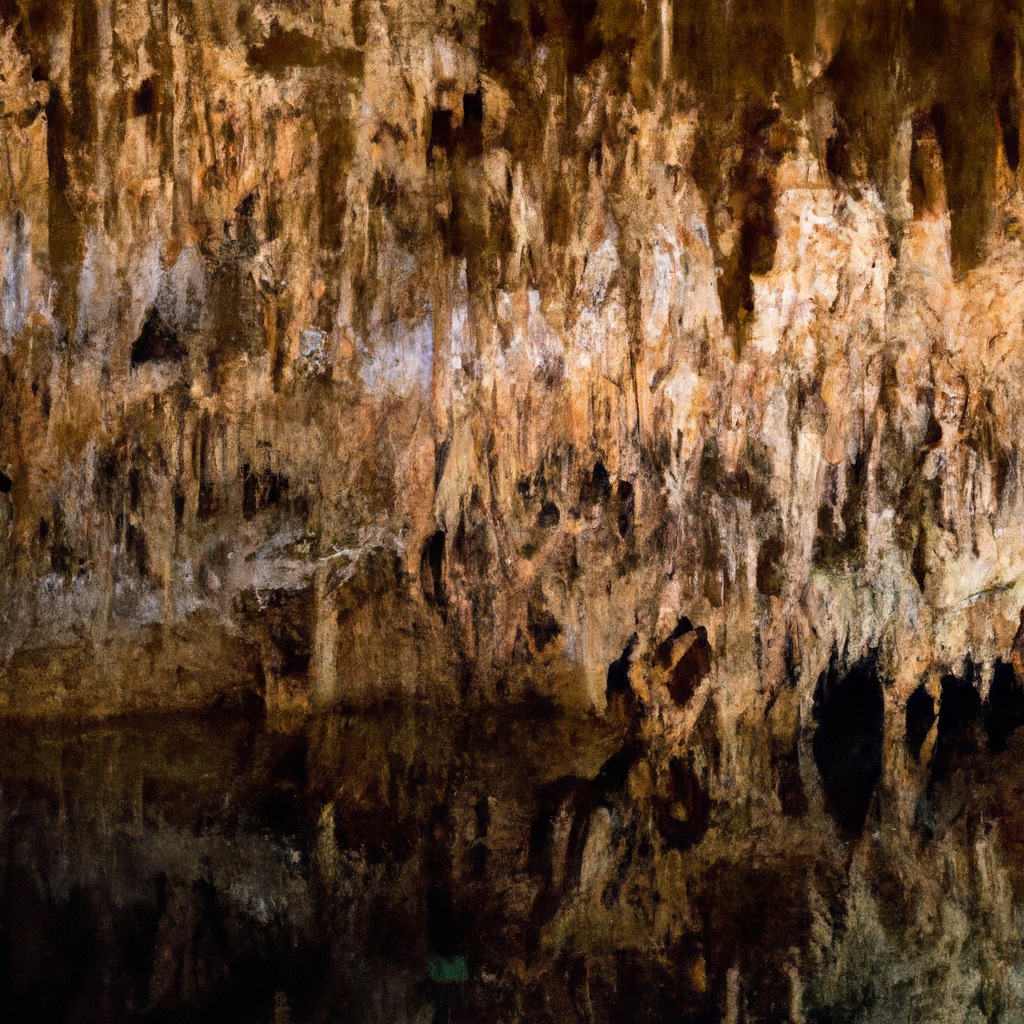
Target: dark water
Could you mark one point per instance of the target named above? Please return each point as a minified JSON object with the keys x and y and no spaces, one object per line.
{"x":373,"y":868}
{"x":526,"y":866}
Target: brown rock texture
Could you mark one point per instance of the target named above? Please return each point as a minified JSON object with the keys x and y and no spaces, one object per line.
{"x":653,"y":361}
{"x":361,"y":350}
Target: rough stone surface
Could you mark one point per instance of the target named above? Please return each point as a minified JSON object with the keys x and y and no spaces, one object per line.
{"x":368,"y":349}
{"x":655,"y":361}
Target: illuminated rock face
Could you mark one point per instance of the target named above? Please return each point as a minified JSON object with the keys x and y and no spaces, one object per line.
{"x":653,"y":360}
{"x":357,"y":350}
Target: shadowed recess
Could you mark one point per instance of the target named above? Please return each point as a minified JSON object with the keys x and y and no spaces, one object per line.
{"x":850,"y":715}
{"x":1004,"y":708}
{"x":920,"y":717}
{"x":156,"y":342}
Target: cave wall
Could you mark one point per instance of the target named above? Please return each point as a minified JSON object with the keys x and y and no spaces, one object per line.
{"x":604,"y":414}
{"x":361,"y":350}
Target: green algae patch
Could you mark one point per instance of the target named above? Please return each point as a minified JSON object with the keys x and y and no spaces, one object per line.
{"x":445,"y":970}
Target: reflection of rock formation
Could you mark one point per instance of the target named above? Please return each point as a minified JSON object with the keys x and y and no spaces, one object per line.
{"x":533,"y":867}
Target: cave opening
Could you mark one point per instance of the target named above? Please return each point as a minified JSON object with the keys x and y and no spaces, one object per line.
{"x":850,"y":713}
{"x":1004,"y":710}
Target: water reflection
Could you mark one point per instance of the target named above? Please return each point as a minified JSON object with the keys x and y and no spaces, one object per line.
{"x":416,"y":866}
{"x":364,"y":868}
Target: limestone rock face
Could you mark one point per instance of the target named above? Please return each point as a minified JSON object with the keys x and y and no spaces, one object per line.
{"x":359,"y":350}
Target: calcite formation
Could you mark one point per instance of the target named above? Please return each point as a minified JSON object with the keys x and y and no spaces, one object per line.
{"x":361,"y":350}
{"x":653,"y":360}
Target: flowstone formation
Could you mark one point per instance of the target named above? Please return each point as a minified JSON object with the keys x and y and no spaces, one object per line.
{"x":651,"y":362}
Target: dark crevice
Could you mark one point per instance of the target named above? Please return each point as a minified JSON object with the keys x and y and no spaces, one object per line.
{"x":1004,"y":709}
{"x":691,"y":668}
{"x":960,"y":720}
{"x":920,"y":716}
{"x":549,"y":516}
{"x":618,"y":670}
{"x":156,"y":342}
{"x":432,"y":572}
{"x":850,"y":713}
{"x":683,"y":813}
{"x":542,"y":626}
